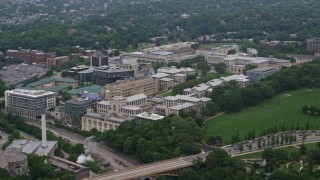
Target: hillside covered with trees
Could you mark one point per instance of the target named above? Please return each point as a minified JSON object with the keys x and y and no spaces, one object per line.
{"x":127,"y":25}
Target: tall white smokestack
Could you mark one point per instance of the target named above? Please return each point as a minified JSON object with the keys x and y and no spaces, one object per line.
{"x":44,"y":142}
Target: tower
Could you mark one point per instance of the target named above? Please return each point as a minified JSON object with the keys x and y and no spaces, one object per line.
{"x":44,"y":142}
{"x":98,"y":59}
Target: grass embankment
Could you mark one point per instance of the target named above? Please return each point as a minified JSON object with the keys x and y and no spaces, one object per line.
{"x":257,"y":155}
{"x":284,"y":108}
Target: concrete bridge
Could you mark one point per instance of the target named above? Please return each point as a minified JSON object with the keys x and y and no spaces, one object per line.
{"x":170,"y":167}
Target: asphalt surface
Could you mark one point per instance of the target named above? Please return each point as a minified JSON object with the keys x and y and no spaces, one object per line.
{"x":233,"y":149}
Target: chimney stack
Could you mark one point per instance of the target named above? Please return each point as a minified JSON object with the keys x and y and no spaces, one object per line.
{"x":44,"y":142}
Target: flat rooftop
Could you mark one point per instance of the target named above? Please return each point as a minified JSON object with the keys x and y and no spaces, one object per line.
{"x":160,"y":75}
{"x":132,"y":108}
{"x":48,"y":80}
{"x":105,"y":117}
{"x":182,"y":106}
{"x":235,"y":77}
{"x":136,"y":97}
{"x":31,"y":93}
{"x":151,"y":116}
{"x":263,"y":69}
{"x":29,"y":147}
{"x":96,"y":89}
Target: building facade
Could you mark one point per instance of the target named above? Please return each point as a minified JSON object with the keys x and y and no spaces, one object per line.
{"x":98,"y":59}
{"x":236,"y":63}
{"x":110,"y":114}
{"x":255,"y":75}
{"x":76,"y":108}
{"x":49,"y":83}
{"x":313,"y":45}
{"x":129,"y":87}
{"x":29,"y":103}
{"x":99,"y":122}
{"x":14,"y":161}
{"x":176,"y":104}
{"x":30,"y":56}
{"x":106,"y":75}
{"x":58,"y":61}
{"x":147,"y":118}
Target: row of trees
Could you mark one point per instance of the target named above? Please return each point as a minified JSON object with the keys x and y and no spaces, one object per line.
{"x":273,"y":130}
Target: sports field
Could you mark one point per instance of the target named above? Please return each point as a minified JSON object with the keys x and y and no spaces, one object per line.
{"x":284,"y":108}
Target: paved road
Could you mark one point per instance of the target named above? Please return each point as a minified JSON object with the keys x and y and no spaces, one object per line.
{"x":277,"y":147}
{"x":233,"y":150}
{"x":172,"y":164}
{"x":104,"y":152}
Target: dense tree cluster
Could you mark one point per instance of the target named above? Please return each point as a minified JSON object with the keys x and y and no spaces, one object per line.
{"x":220,"y":68}
{"x":41,"y":170}
{"x":171,"y":137}
{"x":8,"y":61}
{"x":218,"y":165}
{"x":11,"y":137}
{"x":124,"y":25}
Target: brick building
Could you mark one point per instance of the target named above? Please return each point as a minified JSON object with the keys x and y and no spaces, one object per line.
{"x":30,"y":56}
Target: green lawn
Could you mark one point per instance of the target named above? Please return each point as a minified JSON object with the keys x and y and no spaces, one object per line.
{"x":295,"y":166}
{"x":251,"y":156}
{"x":169,"y":93}
{"x":255,"y":155}
{"x":311,"y":145}
{"x":279,"y":110}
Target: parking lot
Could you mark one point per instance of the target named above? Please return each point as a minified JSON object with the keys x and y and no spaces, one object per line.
{"x":17,"y":73}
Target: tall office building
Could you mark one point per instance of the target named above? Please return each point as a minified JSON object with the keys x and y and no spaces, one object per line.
{"x":76,"y":108}
{"x":313,"y":44}
{"x":98,"y":59}
{"x":105,"y":74}
{"x":29,"y":103}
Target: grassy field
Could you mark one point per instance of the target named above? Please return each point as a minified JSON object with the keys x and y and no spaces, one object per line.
{"x":169,"y":93}
{"x":259,"y":154}
{"x":279,"y":110}
{"x":311,"y":145}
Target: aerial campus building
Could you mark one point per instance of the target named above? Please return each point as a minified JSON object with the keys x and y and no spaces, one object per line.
{"x":29,"y":103}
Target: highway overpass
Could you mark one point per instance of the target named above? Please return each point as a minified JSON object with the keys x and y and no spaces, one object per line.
{"x":167,"y":167}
